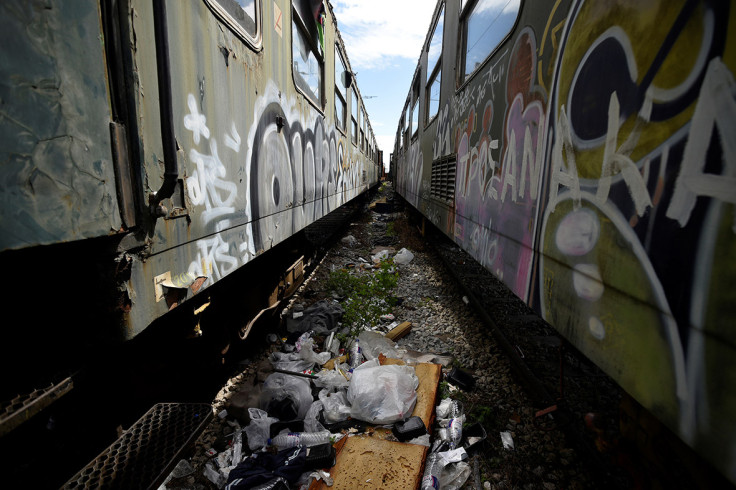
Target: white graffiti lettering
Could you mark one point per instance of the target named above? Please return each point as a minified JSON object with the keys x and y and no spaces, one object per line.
{"x":716,"y":108}
{"x":213,"y":259}
{"x":196,"y":122}
{"x":615,"y":162}
{"x":206,"y":186}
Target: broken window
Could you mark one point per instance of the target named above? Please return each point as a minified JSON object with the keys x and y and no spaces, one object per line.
{"x":307,"y":61}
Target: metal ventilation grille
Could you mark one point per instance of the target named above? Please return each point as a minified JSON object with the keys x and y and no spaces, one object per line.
{"x":147,"y":452}
{"x":443,"y":179}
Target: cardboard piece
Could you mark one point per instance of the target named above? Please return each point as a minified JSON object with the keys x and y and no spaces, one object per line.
{"x":399,"y":331}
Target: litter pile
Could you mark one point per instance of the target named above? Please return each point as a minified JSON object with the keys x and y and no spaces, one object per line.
{"x":339,"y":406}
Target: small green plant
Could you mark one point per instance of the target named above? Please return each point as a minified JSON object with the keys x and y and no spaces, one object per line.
{"x":342,"y":338}
{"x":484,"y":415}
{"x":366,"y":295}
{"x":390,"y":230}
{"x":444,"y":390}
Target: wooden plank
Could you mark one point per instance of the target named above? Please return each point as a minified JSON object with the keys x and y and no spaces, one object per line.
{"x":399,"y":331}
{"x":429,"y":380}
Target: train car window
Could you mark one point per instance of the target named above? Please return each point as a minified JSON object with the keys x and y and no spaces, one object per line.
{"x":339,"y":111}
{"x":485,"y":24}
{"x":362,"y":130}
{"x":434,"y":68}
{"x":434,"y":48}
{"x":307,"y":61}
{"x":400,"y":136}
{"x":433,"y":95}
{"x":407,"y":114}
{"x":354,"y":115}
{"x":415,"y":108}
{"x":341,"y":80}
{"x":242,"y":16}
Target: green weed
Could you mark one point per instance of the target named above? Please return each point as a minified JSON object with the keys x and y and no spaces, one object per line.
{"x":366,"y":294}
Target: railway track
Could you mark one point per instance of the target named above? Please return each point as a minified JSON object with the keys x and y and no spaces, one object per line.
{"x":562,"y":411}
{"x":443,"y":324}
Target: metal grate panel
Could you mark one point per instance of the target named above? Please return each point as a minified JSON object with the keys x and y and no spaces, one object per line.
{"x":442,"y":185}
{"x":147,"y":452}
{"x":21,"y":408}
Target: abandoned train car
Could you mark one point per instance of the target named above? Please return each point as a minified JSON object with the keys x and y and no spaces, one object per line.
{"x":584,"y":153}
{"x":151,"y":149}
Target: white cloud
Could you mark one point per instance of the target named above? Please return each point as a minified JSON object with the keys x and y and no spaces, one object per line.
{"x":376,"y":30}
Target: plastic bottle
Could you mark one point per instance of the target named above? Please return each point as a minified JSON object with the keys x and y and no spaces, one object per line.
{"x":292,"y":439}
{"x":303,"y":339}
{"x":455,"y":427}
{"x":432,"y":472}
{"x":356,"y":354}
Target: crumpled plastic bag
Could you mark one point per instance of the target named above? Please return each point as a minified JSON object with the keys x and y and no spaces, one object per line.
{"x":403,"y":257}
{"x":336,"y":406}
{"x":311,"y":422}
{"x":291,"y":361}
{"x":331,"y":379}
{"x":286,"y":397}
{"x":259,"y":429}
{"x":383,"y":394}
{"x":349,"y":240}
{"x":380,"y":256}
{"x":454,"y":475}
{"x":373,"y":344}
{"x":307,"y":353}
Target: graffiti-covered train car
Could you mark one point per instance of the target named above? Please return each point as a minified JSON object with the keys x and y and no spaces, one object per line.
{"x":150,"y":149}
{"x":584,"y":153}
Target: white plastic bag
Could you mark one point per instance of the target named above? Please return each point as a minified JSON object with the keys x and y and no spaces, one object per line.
{"x":311,"y":424}
{"x":403,"y":257}
{"x":336,"y":406}
{"x":307,"y":353}
{"x":258,"y":431}
{"x":285,"y":393}
{"x":454,"y":475}
{"x":383,"y":394}
{"x":373,"y":344}
{"x":380,"y":256}
{"x":349,"y":240}
{"x":331,"y":379}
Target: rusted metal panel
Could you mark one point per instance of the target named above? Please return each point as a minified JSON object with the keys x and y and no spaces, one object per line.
{"x":121,"y":163}
{"x":292,"y":279}
{"x":55,"y":158}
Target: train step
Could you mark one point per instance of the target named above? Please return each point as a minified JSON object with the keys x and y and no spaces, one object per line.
{"x":145,"y":454}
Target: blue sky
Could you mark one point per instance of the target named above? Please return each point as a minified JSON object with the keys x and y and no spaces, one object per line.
{"x":383,"y":40}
